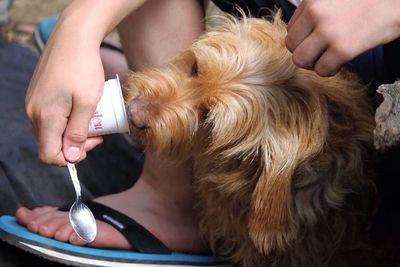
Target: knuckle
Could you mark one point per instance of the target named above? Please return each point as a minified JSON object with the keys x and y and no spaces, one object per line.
{"x":44,"y":115}
{"x":300,"y":60}
{"x":314,"y":11}
{"x":340,"y":51}
{"x":326,"y":33}
{"x":29,"y":111}
{"x":321,"y":71}
{"x":289,"y":43}
{"x":324,"y":70}
{"x":44,"y":157}
{"x":34,"y":113}
{"x":50,"y":156}
{"x":77,"y":135}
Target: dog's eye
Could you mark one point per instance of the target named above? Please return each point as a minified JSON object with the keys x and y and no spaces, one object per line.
{"x":194,"y":70}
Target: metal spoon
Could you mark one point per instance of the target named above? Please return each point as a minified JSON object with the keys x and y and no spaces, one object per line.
{"x":80,"y":216}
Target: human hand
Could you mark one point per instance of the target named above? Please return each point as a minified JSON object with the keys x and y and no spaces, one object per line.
{"x":325,"y":34}
{"x":62,"y":97}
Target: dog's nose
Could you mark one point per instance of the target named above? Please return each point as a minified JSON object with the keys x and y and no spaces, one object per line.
{"x":137,"y":113}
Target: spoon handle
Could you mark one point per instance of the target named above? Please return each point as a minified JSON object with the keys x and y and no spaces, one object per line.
{"x":74,"y":178}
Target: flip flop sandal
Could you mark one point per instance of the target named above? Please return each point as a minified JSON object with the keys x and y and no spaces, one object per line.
{"x":150,"y":250}
{"x":43,"y":31}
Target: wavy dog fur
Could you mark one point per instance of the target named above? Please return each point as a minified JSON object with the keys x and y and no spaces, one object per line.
{"x":279,"y":153}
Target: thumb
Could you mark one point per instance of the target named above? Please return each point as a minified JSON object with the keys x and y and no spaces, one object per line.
{"x":76,"y":132}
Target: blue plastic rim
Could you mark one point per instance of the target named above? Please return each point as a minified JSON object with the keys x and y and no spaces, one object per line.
{"x":10,"y":225}
{"x":46,"y":26}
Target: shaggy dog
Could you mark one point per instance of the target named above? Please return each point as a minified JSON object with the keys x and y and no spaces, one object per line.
{"x":278,"y":152}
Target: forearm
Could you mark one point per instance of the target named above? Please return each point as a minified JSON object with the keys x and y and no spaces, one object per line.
{"x":92,"y":20}
{"x":69,"y":78}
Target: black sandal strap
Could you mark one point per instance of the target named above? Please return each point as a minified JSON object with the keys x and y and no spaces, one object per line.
{"x":138,"y":236}
{"x":111,"y":46}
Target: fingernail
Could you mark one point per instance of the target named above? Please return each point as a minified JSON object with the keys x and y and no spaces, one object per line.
{"x":73,"y":153}
{"x":57,"y":234}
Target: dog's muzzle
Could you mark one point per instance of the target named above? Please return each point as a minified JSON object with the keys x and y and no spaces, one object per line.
{"x":137,"y":113}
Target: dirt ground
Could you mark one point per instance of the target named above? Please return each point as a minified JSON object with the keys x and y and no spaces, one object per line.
{"x":31,"y":11}
{"x":24,"y":16}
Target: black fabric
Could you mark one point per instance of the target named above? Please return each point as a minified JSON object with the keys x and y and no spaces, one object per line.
{"x":23,"y":180}
{"x":391,"y":53}
{"x":385,"y":229}
{"x":111,"y":167}
{"x":256,"y":8}
{"x":111,"y":46}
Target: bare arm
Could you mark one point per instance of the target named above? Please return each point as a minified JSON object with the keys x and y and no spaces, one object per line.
{"x":68,"y":79}
{"x":325,"y":34}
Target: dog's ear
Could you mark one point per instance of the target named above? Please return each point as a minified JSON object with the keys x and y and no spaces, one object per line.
{"x":280,"y":126}
{"x":295,"y":130}
{"x":270,"y":222}
{"x":235,"y":118}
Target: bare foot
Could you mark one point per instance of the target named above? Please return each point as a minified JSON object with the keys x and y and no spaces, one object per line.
{"x":163,"y":205}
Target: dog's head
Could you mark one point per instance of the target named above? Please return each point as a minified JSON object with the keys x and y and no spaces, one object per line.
{"x":235,"y":94}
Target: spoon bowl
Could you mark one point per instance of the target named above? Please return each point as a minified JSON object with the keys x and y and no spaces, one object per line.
{"x":80,"y":216}
{"x":83,"y":221}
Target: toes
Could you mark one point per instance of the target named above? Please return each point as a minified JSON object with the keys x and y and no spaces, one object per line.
{"x":64,"y":232}
{"x":76,"y":240}
{"x":39,"y":220}
{"x":50,"y":227}
{"x":44,"y":220}
{"x":42,"y":210}
{"x":50,"y":222}
{"x":23,"y":215}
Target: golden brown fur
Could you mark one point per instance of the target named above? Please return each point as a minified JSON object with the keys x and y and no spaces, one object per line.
{"x":278,"y":151}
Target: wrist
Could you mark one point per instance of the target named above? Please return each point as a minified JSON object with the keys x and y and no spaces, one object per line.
{"x":78,"y":24}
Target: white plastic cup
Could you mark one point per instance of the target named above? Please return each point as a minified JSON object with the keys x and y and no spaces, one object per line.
{"x":110,"y":115}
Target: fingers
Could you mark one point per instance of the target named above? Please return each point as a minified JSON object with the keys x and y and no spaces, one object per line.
{"x":304,"y":38}
{"x":321,"y":53}
{"x":324,"y":35}
{"x":92,"y":142}
{"x":299,"y":27}
{"x":75,"y":134}
{"x":312,"y":42}
{"x":60,"y":138}
{"x":298,"y":33}
{"x":318,"y":56}
{"x":308,"y":53}
{"x":297,"y":13}
{"x":48,"y":130}
{"x":329,"y":63}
